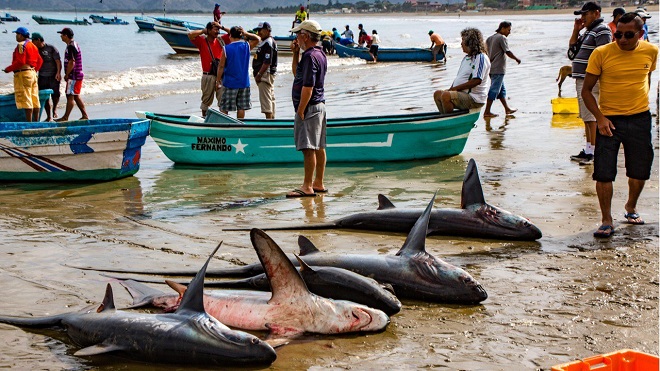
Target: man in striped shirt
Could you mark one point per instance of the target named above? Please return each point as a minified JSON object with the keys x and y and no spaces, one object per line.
{"x":597,"y":33}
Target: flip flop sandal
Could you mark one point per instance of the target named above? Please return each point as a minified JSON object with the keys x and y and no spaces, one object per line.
{"x":604,"y":231}
{"x":633,"y":218}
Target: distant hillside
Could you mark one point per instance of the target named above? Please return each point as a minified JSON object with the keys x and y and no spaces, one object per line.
{"x":153,"y":6}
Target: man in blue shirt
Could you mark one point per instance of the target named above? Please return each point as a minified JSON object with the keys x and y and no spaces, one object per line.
{"x":308,"y":98}
{"x":236,"y":72}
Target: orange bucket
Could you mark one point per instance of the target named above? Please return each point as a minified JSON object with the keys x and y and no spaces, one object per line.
{"x":622,"y":360}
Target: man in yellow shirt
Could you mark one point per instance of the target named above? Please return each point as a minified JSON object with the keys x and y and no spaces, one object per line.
{"x":301,"y":16}
{"x":624,"y":71}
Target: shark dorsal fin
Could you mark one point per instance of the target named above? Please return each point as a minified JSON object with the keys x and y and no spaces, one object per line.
{"x":384,"y":203}
{"x":181,"y":289}
{"x":285,"y":281}
{"x":306,"y":246}
{"x":108,"y":301}
{"x":416,"y":240}
{"x":472,"y":193}
{"x":193,"y":298}
{"x":303,"y":265}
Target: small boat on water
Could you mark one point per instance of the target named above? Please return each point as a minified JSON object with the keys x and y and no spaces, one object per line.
{"x":175,"y":33}
{"x":9,"y":112}
{"x":9,"y":18}
{"x":105,"y":20}
{"x":144,"y":23}
{"x":388,"y":54}
{"x":43,"y":20}
{"x":86,"y":150}
{"x":223,"y":140}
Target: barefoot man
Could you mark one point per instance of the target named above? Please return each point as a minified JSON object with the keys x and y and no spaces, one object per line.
{"x":498,"y":50}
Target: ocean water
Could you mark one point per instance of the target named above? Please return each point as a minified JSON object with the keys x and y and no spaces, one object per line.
{"x":123,"y":64}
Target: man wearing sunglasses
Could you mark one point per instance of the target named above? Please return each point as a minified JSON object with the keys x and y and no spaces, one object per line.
{"x":623,"y":69}
{"x":596,"y":34}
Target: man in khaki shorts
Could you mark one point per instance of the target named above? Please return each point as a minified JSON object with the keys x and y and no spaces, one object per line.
{"x":470,"y":88}
{"x":26,"y":61}
{"x":264,"y":67}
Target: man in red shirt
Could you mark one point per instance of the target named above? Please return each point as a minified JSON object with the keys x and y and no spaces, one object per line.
{"x":26,"y":61}
{"x":212,"y":54}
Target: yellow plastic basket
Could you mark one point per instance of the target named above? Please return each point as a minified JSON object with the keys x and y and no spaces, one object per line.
{"x":565,"y":105}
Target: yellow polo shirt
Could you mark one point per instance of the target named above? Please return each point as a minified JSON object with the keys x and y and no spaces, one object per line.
{"x":623,"y":76}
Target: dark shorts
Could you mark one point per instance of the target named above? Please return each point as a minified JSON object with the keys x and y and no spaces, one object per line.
{"x":236,"y":99}
{"x":634,"y":132}
{"x":49,"y":82}
{"x":373,"y":49}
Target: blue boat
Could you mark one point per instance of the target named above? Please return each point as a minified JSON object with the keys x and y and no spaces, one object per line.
{"x":223,"y":140}
{"x":106,"y":20}
{"x":388,"y":54}
{"x":9,"y":18}
{"x":145,"y":23}
{"x":85,"y":150}
{"x":175,"y":33}
{"x":9,"y":112}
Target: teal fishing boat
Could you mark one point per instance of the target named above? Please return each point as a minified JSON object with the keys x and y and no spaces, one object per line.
{"x":43,"y":20}
{"x":388,"y":54}
{"x":9,"y":112}
{"x":85,"y":150}
{"x":222,"y":140}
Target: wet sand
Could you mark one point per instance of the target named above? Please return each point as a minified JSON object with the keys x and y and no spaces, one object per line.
{"x":563,"y":297}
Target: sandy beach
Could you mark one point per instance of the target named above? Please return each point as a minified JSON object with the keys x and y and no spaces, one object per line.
{"x":564,"y":297}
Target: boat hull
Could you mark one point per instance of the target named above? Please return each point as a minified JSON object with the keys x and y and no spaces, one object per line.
{"x":88,"y":150}
{"x":144,"y":23}
{"x":383,"y":138}
{"x":43,"y":20}
{"x":9,"y":112}
{"x":388,"y":54}
{"x":176,"y":35}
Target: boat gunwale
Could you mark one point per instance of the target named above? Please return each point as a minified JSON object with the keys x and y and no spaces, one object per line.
{"x":288,"y":124}
{"x":111,"y":126}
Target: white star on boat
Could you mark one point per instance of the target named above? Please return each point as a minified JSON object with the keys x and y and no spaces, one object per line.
{"x":240,"y":147}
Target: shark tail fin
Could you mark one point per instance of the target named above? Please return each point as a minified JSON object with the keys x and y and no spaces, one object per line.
{"x":108,"y":303}
{"x":193,"y":298}
{"x":142,"y":294}
{"x":472,"y":193}
{"x":384,"y":203}
{"x":306,"y":246}
{"x":416,"y":240}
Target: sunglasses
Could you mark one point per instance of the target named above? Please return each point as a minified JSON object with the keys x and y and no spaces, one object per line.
{"x":627,"y":34}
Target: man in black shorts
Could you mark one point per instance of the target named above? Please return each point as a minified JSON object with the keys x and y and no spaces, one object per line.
{"x":50,"y":73}
{"x":623,"y":117}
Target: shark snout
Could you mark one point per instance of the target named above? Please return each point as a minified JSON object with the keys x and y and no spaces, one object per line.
{"x":371,"y":319}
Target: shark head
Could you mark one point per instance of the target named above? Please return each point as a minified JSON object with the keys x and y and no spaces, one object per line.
{"x":217,"y":340}
{"x":494,"y":221}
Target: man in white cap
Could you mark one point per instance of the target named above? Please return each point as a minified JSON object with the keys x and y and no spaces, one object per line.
{"x":26,"y":61}
{"x":644,"y":16}
{"x":308,"y":98}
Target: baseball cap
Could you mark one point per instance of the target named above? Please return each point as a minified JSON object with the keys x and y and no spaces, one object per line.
{"x":618,"y":11}
{"x":308,"y":25}
{"x":642,"y":13}
{"x":430,"y":32}
{"x":587,"y":7}
{"x":66,"y":31}
{"x":22,"y":31}
{"x":216,"y":4}
{"x":263,"y":25}
{"x":37,"y":36}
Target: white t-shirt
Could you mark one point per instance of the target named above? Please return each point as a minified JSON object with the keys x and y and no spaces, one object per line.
{"x":476,"y":67}
{"x":375,"y":40}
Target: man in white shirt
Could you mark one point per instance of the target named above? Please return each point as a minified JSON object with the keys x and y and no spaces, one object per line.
{"x":470,"y":87}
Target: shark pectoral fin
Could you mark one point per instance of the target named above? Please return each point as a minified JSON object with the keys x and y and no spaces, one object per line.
{"x":181,"y":289}
{"x":306,"y":246}
{"x":384,"y":203}
{"x":98,"y":349}
{"x":303,"y":265}
{"x":471,"y":193}
{"x":416,"y":240}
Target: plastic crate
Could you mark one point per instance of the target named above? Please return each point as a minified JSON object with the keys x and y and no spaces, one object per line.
{"x":622,"y":360}
{"x":565,"y":105}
